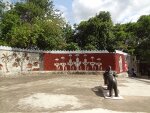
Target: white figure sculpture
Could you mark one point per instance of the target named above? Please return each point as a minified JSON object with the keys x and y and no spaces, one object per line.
{"x":63,"y":64}
{"x":99,"y":64}
{"x":70,"y":63}
{"x":92,"y":63}
{"x":57,"y":64}
{"x":120,"y":64}
{"x":77,"y":63}
{"x":85,"y":63}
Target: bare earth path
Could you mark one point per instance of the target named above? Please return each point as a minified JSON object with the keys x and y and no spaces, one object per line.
{"x":71,"y":94}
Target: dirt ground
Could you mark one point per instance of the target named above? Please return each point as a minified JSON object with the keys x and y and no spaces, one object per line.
{"x":64,"y":93}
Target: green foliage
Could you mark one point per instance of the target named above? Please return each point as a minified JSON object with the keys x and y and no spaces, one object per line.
{"x":50,"y":36}
{"x":125,"y":38}
{"x":68,"y":33}
{"x":2,"y":6}
{"x":90,"y":47}
{"x":33,"y":24}
{"x":96,"y":33}
{"x":72,"y":46}
{"x":143,"y":51}
{"x":143,"y":28}
{"x":36,"y":24}
{"x":24,"y":36}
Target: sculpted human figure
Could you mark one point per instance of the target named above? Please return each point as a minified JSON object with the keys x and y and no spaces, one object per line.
{"x":111,"y":82}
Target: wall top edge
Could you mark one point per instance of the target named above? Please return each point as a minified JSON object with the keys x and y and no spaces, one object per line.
{"x":120,"y":52}
{"x":7,"y":48}
{"x":75,"y":52}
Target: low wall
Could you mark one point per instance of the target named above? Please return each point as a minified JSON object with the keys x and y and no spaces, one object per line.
{"x":84,"y":61}
{"x":14,"y":60}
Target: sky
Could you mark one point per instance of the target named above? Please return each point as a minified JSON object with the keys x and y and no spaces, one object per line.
{"x":122,"y":11}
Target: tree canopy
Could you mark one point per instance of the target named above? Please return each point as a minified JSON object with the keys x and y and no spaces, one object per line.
{"x":33,"y":24}
{"x":96,"y":33}
{"x":37,"y":24}
{"x":142,"y":51}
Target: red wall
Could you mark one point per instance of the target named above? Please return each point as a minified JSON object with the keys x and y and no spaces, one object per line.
{"x":105,"y":59}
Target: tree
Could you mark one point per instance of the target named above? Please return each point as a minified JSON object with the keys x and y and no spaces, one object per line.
{"x":125,"y":37}
{"x":33,"y":24}
{"x":142,"y":32}
{"x":96,"y":33}
{"x":143,"y":51}
{"x":2,"y":6}
{"x":72,"y":46}
{"x":68,"y":33}
{"x":90,"y":47}
{"x":51,"y":36}
{"x":81,"y":34}
{"x":143,"y":27}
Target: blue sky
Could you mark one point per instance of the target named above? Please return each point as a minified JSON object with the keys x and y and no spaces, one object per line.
{"x":122,"y":11}
{"x":65,"y":6}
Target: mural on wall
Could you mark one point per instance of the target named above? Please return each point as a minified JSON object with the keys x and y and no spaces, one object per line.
{"x":77,"y":64}
{"x":5,"y":59}
{"x":33,"y":63}
{"x":19,"y":59}
{"x":12,"y":61}
{"x":120,"y":64}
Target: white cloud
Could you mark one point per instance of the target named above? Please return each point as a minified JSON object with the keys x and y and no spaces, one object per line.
{"x":63,"y":10}
{"x":122,"y":11}
{"x":8,"y":3}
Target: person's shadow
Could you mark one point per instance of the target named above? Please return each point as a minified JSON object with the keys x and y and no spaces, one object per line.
{"x":98,"y":90}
